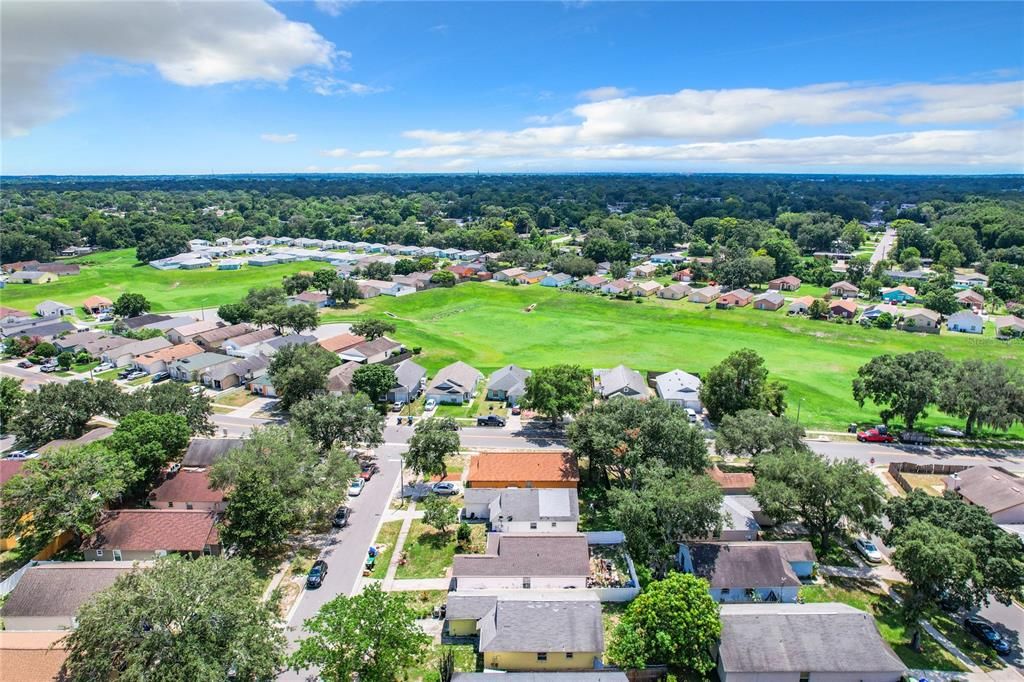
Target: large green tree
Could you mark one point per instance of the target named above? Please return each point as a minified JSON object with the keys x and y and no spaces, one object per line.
{"x":257,"y":517}
{"x":619,"y":435}
{"x":749,"y":433}
{"x":200,"y":619}
{"x":299,"y":371}
{"x":12,"y":397}
{"x":821,"y":494}
{"x":374,"y":380}
{"x":983,"y":393}
{"x":344,"y":290}
{"x":131,"y":305}
{"x":65,"y":490}
{"x":439,"y":512}
{"x":342,"y":420}
{"x":150,"y":440}
{"x":63,"y":410}
{"x":558,"y":390}
{"x":162,"y":242}
{"x":172,"y":397}
{"x":740,"y":382}
{"x":433,"y":442}
{"x":372,"y":328}
{"x":905,"y":385}
{"x":372,"y":636}
{"x":673,"y":621}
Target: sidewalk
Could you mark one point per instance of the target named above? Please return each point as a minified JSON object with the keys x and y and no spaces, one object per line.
{"x":252,"y":407}
{"x":408,"y":516}
{"x":419,"y":584}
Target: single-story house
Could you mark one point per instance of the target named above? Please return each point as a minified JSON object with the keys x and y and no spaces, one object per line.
{"x":843,"y":290}
{"x":800,"y":305}
{"x":524,"y":510}
{"x":999,"y":493}
{"x":679,"y":388}
{"x":732,"y":482}
{"x":60,"y":269}
{"x":410,"y":378}
{"x":238,"y":372}
{"x":966,"y":321}
{"x":76,"y":341}
{"x":508,"y":384}
{"x":9,"y":315}
{"x":592,"y":282}
{"x":158,"y":360}
{"x":372,"y":352}
{"x":339,"y":379}
{"x":31,"y":277}
{"x":49,"y":595}
{"x":541,"y":469}
{"x":140,"y":321}
{"x":215,"y":338}
{"x":341,"y":342}
{"x":675,"y":292}
{"x":921,"y":320}
{"x":646,"y":288}
{"x":620,"y":381}
{"x":604,"y":675}
{"x":803,"y":642}
{"x":141,"y":534}
{"x":263,"y":260}
{"x":644,"y":271}
{"x":619,"y":286}
{"x":190,"y":368}
{"x":749,"y":571}
{"x":44,"y":329}
{"x":455,"y":384}
{"x":203,"y":452}
{"x":970,"y":298}
{"x":737,"y":298}
{"x":899,"y":294}
{"x":510,"y":273}
{"x":54,"y":309}
{"x":531,"y":277}
{"x":873,"y":312}
{"x":99,"y":346}
{"x":463,"y":272}
{"x":92,"y":436}
{"x":705,"y":295}
{"x":314,"y":298}
{"x":843,"y":308}
{"x":1009,"y":325}
{"x":769,"y":300}
{"x":18,"y":266}
{"x":271,"y":346}
{"x":786,"y":283}
{"x":229,"y":264}
{"x":187,"y":489}
{"x":553,"y":633}
{"x":247,"y":344}
{"x":190,"y":330}
{"x":95,"y":305}
{"x":537,"y":561}
{"x":559,"y":279}
{"x":968,"y":280}
{"x":684,"y":275}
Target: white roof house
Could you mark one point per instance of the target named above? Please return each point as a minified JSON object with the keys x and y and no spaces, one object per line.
{"x":679,"y":388}
{"x":966,"y":321}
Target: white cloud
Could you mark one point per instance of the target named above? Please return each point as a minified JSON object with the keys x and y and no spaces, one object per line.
{"x":336,"y":153}
{"x":360,"y":168}
{"x":279,"y":138}
{"x":333,"y":7}
{"x":326,"y":85}
{"x":191,"y":44}
{"x":372,"y":153}
{"x":603,"y":93}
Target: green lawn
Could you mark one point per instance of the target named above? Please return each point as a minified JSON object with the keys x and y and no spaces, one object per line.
{"x":385,"y":542}
{"x":234,"y":397}
{"x":486,"y":326}
{"x":426,"y":670}
{"x":430,"y":553}
{"x":111,"y":273}
{"x":884,"y":609}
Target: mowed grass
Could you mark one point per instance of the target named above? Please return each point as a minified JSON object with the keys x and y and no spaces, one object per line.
{"x":111,"y":273}
{"x":486,"y":325}
{"x":430,"y":552}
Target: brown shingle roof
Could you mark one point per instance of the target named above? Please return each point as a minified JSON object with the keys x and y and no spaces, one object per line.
{"x":744,"y":565}
{"x":187,"y":486}
{"x":224,"y":333}
{"x":27,"y":656}
{"x":535,"y":554}
{"x":253,"y":337}
{"x":60,"y":589}
{"x":732,"y":480}
{"x":523,"y":466}
{"x":341,"y":342}
{"x":182,"y":350}
{"x":96,"y":302}
{"x":179,"y":530}
{"x":989,"y":488}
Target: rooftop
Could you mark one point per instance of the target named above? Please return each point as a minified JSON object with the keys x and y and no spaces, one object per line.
{"x":989,"y":488}
{"x":536,"y":504}
{"x":539,"y":625}
{"x":202,"y":452}
{"x":523,"y":466}
{"x":742,"y":564}
{"x":533,"y":554}
{"x":60,"y":589}
{"x":181,"y":530}
{"x":185,"y":487}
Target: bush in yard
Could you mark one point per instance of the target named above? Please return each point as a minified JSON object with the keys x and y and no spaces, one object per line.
{"x":439,"y":512}
{"x":65,"y":359}
{"x":464,"y":534}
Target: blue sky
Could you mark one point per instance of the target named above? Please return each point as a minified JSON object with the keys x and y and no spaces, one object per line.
{"x":375,"y":87}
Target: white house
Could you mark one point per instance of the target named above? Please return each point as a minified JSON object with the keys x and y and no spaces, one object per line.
{"x":999,"y":493}
{"x":537,"y":561}
{"x":524,"y":510}
{"x":966,"y":321}
{"x":455,"y":384}
{"x":679,"y":388}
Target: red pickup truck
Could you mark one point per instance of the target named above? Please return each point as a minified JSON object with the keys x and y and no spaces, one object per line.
{"x":874,"y":436}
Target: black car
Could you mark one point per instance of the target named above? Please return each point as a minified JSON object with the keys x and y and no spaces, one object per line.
{"x":987,"y":634}
{"x":316,"y":574}
{"x":340,"y":519}
{"x":490,"y":420}
{"x":158,"y":377}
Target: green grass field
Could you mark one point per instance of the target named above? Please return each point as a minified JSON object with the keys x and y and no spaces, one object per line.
{"x":486,"y":325}
{"x":111,"y":273}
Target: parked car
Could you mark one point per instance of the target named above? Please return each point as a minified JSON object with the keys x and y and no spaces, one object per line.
{"x":25,"y":364}
{"x":48,"y":368}
{"x":868,"y":550}
{"x":103,"y":367}
{"x":915,"y":438}
{"x":159,"y":376}
{"x":340,"y":519}
{"x":138,"y":374}
{"x":21,"y":454}
{"x":445,"y":488}
{"x":356,"y":487}
{"x":874,"y":436}
{"x":196,"y":390}
{"x":397,"y":406}
{"x":490,"y":420}
{"x":517,"y":410}
{"x":125,"y":373}
{"x":691,"y":415}
{"x":105,"y":317}
{"x":949,"y":432}
{"x":987,"y":634}
{"x":316,"y":574}
{"x":430,"y":404}
{"x":367,"y":470}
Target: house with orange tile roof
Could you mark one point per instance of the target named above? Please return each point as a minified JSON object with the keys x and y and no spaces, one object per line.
{"x":541,"y":469}
{"x":341,"y":342}
{"x":95,"y":305}
{"x":158,"y":361}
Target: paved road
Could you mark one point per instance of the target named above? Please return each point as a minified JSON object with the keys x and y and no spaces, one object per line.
{"x":1009,"y":620}
{"x":345,"y":558}
{"x":884,"y":453}
{"x":884,"y":246}
{"x":230,"y":426}
{"x":30,"y":378}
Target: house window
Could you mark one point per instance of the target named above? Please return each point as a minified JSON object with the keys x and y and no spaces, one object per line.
{"x":170,"y":505}
{"x":542,"y":657}
{"x":568,"y":655}
{"x":805,"y":677}
{"x":188,"y":505}
{"x":526,"y":583}
{"x":554,"y":524}
{"x":533,"y":526}
{"x":117,"y":554}
{"x":99,"y":553}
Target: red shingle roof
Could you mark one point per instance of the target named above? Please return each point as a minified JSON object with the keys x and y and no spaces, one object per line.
{"x":187,"y":486}
{"x":174,"y":530}
{"x":341,"y":342}
{"x":523,"y":466}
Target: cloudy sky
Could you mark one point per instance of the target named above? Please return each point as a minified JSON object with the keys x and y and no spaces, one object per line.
{"x":126,"y":87}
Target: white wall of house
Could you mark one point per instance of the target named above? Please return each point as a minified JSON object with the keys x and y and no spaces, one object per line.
{"x":528,"y":527}
{"x":22,"y":623}
{"x":490,"y":582}
{"x":1011,"y":515}
{"x":783,"y":594}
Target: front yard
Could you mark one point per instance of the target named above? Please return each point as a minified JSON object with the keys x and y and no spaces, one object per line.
{"x":426,"y":670}
{"x":385,"y":544}
{"x":234,"y":397}
{"x":429,"y":553}
{"x":864,"y":596}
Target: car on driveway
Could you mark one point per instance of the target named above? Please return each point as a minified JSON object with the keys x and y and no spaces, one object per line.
{"x":490,"y":420}
{"x":316,"y":574}
{"x":25,"y":364}
{"x":159,"y":376}
{"x":949,"y":432}
{"x":987,"y":634}
{"x":445,"y":488}
{"x":367,"y":470}
{"x":340,"y":519}
{"x":21,"y":454}
{"x":356,"y":487}
{"x":103,"y":367}
{"x":397,"y":406}
{"x":868,"y":550}
{"x":430,"y":404}
{"x":874,"y":436}
{"x":47,"y":369}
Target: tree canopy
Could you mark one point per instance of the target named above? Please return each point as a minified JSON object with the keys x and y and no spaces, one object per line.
{"x":557,"y":390}
{"x":905,"y":385}
{"x":434,"y":440}
{"x":740,"y":382}
{"x":300,"y":371}
{"x":749,"y":433}
{"x":342,"y":420}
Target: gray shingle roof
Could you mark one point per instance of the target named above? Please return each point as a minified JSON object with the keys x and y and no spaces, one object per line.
{"x":457,"y":377}
{"x":202,"y":452}
{"x":469,"y":606}
{"x":553,"y":676}
{"x":529,"y":555}
{"x":621,"y":379}
{"x":408,"y":374}
{"x":989,"y":488}
{"x":533,"y":626}
{"x":677,"y":385}
{"x":536,"y":504}
{"x":510,"y":378}
{"x":742,"y":565}
{"x":795,"y":638}
{"x":60,"y":589}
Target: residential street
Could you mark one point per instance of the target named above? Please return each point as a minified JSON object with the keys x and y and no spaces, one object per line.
{"x":884,"y":246}
{"x":918,"y":454}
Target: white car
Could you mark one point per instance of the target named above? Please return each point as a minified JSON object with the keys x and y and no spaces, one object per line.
{"x":21,"y":454}
{"x":103,"y":367}
{"x":431,"y":404}
{"x":949,"y":432}
{"x":445,"y":488}
{"x":868,"y":550}
{"x":356,"y":487}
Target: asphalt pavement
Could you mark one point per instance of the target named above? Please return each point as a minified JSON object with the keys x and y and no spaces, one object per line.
{"x":884,"y":453}
{"x":884,"y":246}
